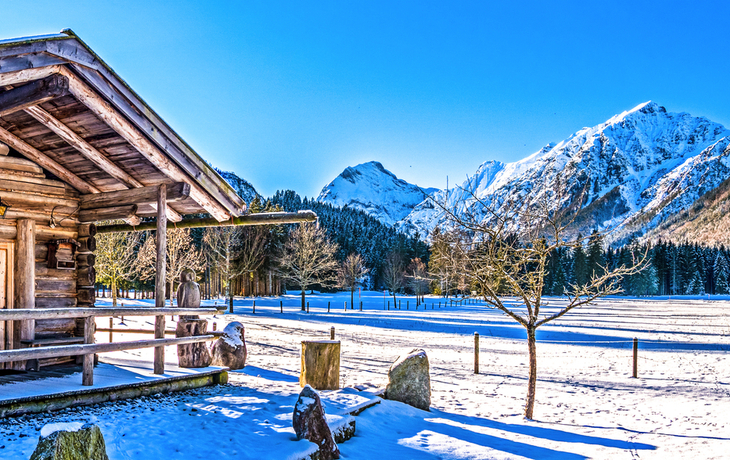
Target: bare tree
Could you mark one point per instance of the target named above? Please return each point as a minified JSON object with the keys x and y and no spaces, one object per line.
{"x":394,"y":273}
{"x":307,"y":257}
{"x":350,"y":275}
{"x":115,"y":259}
{"x":509,"y":252}
{"x":447,"y":261}
{"x":181,"y":254}
{"x":418,"y":278}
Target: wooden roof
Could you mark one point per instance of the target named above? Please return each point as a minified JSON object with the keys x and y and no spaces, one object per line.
{"x":63,"y":108}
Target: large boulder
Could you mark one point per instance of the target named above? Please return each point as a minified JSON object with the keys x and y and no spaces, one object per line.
{"x":230,"y":350}
{"x":310,"y":423}
{"x":409,"y":380}
{"x":66,"y":441}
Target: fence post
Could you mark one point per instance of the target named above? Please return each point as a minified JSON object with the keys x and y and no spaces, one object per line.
{"x":345,"y":306}
{"x":111,"y":329}
{"x":389,"y":305}
{"x":281,"y":306}
{"x":332,"y":333}
{"x":361,"y":305}
{"x":399,"y":307}
{"x":307,"y":307}
{"x":636,"y":357}
{"x":254,"y":307}
{"x":476,"y":352}
{"x":328,"y":309}
{"x":87,"y":377}
{"x":407,"y":304}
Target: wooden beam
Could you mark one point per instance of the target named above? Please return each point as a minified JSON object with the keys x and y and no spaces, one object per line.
{"x":86,"y":149}
{"x":113,"y":213}
{"x":23,"y":76}
{"x":87,"y":377}
{"x":139,"y":196}
{"x":131,"y":134}
{"x":161,"y":276}
{"x":60,"y":313}
{"x":38,"y":200}
{"x":46,"y":162}
{"x":264,"y":218}
{"x":84,"y":349}
{"x":33,"y":93}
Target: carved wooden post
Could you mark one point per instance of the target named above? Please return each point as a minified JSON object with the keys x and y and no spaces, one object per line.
{"x":320,"y":364}
{"x":476,"y":352}
{"x":87,"y":377}
{"x":161,"y":276}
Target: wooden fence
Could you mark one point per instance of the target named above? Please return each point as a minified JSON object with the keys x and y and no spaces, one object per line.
{"x":89,"y":348}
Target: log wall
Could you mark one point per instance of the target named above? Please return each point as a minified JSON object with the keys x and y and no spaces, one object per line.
{"x":52,"y":207}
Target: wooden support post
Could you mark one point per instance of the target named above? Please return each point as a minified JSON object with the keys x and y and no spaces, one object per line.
{"x":328,"y":307}
{"x":636,"y":358}
{"x":281,"y":306}
{"x":361,"y":305}
{"x":161,"y":278}
{"x":87,"y":377}
{"x":332,"y":333}
{"x":307,"y":307}
{"x":476,"y":352}
{"x":25,"y":281}
{"x":254,"y":307}
{"x":345,"y":306}
{"x":111,"y":329}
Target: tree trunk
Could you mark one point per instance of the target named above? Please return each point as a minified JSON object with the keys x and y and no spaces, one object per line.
{"x":114,"y":293}
{"x":352,"y":299}
{"x":532,"y":346}
{"x":303,"y":299}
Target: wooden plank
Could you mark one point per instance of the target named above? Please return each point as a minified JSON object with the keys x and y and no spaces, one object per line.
{"x":139,"y":196}
{"x":132,"y":135}
{"x":77,"y":350}
{"x":45,"y":327}
{"x":33,"y":93}
{"x":38,"y":200}
{"x":55,"y":302}
{"x":22,"y":186}
{"x":53,"y":313}
{"x":10,"y":176}
{"x":46,"y":162}
{"x":113,"y":213}
{"x":86,"y":149}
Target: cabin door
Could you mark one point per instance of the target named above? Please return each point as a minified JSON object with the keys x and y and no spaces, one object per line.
{"x":6,"y":293}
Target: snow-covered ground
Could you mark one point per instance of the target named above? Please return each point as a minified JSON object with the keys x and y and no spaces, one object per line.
{"x":588,"y":406}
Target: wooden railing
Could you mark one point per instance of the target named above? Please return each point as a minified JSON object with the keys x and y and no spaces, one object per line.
{"x":89,"y":348}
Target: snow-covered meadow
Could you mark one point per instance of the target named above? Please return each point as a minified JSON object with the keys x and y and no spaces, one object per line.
{"x":588,"y":406}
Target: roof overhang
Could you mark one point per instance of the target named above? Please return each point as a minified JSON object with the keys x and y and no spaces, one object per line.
{"x":109,"y":100}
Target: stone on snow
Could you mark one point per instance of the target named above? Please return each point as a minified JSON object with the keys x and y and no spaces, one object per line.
{"x":230,"y":350}
{"x":409,"y":380}
{"x":70,"y":441}
{"x":310,"y":423}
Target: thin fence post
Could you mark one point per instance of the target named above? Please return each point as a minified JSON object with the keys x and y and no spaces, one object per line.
{"x":215,"y":325}
{"x":281,"y":306}
{"x":389,"y":305}
{"x":399,"y":307}
{"x":476,"y":352}
{"x":408,"y":303}
{"x":307,"y":307}
{"x":254,"y":307}
{"x":328,"y":309}
{"x":636,"y":358}
{"x":111,"y":329}
{"x":332,"y":333}
{"x":361,"y":305}
{"x":345,"y":306}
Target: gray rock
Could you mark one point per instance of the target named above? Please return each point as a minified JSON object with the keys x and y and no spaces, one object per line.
{"x":230,"y":350}
{"x":310,"y":423}
{"x":409,"y":380}
{"x":86,"y":443}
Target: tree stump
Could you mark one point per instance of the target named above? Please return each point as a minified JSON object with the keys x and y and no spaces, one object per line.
{"x":320,"y":364}
{"x":193,"y":354}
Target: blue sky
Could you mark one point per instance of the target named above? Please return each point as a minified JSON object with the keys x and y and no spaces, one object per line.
{"x":288,"y":94}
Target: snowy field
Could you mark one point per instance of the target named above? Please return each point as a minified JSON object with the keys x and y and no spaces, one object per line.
{"x":588,"y":406}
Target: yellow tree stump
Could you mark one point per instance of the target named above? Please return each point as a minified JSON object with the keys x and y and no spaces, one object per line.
{"x":320,"y":364}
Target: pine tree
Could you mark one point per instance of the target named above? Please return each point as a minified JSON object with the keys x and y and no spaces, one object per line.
{"x":722,"y":274}
{"x":595,"y":259}
{"x":580,"y":265}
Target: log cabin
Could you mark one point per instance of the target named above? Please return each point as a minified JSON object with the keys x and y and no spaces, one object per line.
{"x":79,"y":146}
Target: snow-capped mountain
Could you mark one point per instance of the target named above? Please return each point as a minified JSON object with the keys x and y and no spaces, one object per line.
{"x":243,"y":188}
{"x":632,"y":172}
{"x":375,"y":190}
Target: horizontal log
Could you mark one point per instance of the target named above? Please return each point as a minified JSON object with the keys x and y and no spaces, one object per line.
{"x":33,"y":93}
{"x":29,"y":178}
{"x":86,"y":276}
{"x":263,"y":218}
{"x":86,"y":295}
{"x":38,"y":200}
{"x":13,"y":165}
{"x":60,"y":218}
{"x":9,"y":231}
{"x":134,"y":331}
{"x":113,"y":213}
{"x":86,"y":260}
{"x":55,"y":302}
{"x":87,"y":230}
{"x":51,"y":313}
{"x":139,"y":196}
{"x":92,"y":348}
